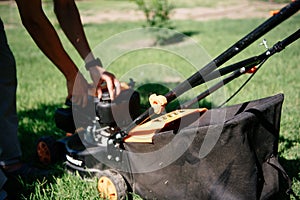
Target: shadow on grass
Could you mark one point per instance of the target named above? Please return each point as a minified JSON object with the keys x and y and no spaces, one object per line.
{"x":292,"y":169}
{"x":34,"y":124}
{"x":291,"y":166}
{"x":26,"y":188}
{"x":177,"y":38}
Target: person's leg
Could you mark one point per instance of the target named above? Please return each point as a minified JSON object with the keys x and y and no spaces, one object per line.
{"x":3,"y":194}
{"x":10,"y":150}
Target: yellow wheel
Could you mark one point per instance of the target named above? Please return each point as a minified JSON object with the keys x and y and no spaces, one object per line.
{"x":107,"y":189}
{"x":111,"y":185}
{"x":43,"y":152}
{"x":47,"y":150}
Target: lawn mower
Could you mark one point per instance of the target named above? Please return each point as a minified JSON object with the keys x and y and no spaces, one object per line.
{"x":226,"y":152}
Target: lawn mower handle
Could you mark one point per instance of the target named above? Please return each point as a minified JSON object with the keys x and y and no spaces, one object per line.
{"x":199,"y":77}
{"x":241,"y":67}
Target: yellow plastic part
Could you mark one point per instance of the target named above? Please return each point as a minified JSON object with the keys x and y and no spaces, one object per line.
{"x":158,"y":103}
{"x":107,"y":189}
{"x":274,"y":12}
{"x":144,"y":133}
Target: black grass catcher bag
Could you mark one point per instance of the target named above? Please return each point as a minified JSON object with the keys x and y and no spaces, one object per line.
{"x":228,"y":153}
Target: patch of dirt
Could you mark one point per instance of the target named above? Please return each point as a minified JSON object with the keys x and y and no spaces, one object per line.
{"x":245,"y":9}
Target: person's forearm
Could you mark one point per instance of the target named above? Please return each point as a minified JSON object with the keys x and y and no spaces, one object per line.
{"x":44,"y":35}
{"x":69,"y":19}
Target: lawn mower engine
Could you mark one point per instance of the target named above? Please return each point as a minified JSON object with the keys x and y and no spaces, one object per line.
{"x":89,"y":127}
{"x":104,"y":113}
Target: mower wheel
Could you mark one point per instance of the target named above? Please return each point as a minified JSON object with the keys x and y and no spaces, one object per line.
{"x":111,"y":185}
{"x":47,"y":150}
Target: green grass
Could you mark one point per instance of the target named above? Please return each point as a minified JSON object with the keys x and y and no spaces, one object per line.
{"x":42,"y":88}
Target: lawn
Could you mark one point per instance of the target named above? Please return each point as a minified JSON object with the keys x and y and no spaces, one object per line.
{"x":42,"y":88}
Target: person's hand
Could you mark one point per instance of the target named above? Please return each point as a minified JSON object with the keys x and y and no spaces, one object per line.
{"x":100,"y":75}
{"x":78,"y":90}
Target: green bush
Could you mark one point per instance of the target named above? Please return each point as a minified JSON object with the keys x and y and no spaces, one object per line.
{"x":157,"y":12}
